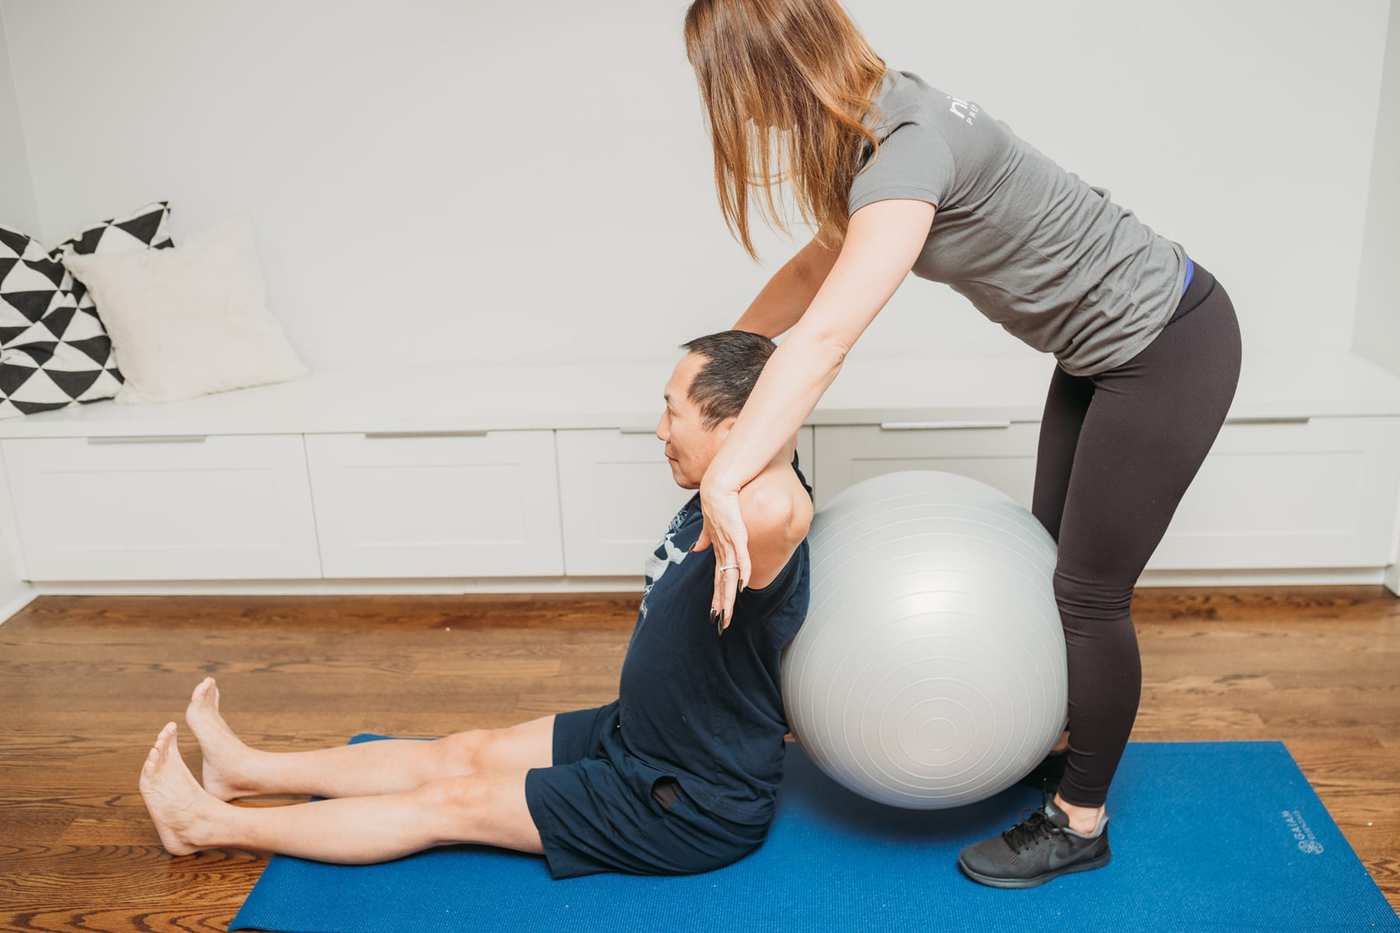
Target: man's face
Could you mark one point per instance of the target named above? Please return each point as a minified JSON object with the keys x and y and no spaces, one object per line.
{"x":689,"y":446}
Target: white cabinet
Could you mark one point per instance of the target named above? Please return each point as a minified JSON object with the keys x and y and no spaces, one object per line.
{"x":1272,"y":493}
{"x":618,"y":493}
{"x":163,"y":508}
{"x":1281,"y":493}
{"x":467,"y":504}
{"x":279,"y":488}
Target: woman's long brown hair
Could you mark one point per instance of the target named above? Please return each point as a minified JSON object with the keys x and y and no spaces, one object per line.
{"x":785,"y":82}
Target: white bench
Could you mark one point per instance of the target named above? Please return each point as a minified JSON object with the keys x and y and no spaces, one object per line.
{"x":549,"y":476}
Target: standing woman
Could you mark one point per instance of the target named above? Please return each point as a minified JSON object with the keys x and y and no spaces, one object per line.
{"x":896,"y":174}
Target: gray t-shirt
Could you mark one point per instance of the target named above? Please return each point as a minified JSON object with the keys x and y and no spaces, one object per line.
{"x":1035,"y":249}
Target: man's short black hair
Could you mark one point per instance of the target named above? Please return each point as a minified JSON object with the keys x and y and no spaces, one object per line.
{"x":733,"y":361}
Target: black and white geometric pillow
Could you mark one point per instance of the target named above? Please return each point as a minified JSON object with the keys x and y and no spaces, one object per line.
{"x":54,"y":350}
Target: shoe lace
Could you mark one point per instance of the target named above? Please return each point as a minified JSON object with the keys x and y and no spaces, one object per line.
{"x":1029,"y":831}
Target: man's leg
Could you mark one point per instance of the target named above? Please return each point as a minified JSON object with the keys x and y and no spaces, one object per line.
{"x":233,"y":769}
{"x":486,"y":808}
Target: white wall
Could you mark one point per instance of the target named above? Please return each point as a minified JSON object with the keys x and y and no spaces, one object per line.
{"x":1378,"y":301}
{"x":17,"y":209}
{"x":16,"y":212}
{"x":465,"y":181}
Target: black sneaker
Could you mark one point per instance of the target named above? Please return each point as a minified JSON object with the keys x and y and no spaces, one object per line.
{"x":1034,"y":851}
{"x":1046,"y":776}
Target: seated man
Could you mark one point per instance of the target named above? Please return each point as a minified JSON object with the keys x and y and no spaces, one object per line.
{"x":677,"y":775}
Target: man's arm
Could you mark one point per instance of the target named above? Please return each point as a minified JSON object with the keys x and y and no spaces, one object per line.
{"x":777,"y":520}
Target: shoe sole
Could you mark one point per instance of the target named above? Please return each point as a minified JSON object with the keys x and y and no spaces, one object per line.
{"x":1093,"y":863}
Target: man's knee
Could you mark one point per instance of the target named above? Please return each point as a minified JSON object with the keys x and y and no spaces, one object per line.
{"x":482,"y":808}
{"x":465,"y":752}
{"x":457,"y":803}
{"x":458,"y":795}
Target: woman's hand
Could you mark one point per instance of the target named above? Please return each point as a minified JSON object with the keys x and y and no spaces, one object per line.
{"x":724,"y":528}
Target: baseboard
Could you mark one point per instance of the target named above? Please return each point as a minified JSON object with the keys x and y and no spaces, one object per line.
{"x":1291,"y":576}
{"x":1392,"y":578}
{"x":504,"y":585}
{"x":1343,"y":576}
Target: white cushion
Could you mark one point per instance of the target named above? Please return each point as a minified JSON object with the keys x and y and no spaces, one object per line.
{"x":190,"y":320}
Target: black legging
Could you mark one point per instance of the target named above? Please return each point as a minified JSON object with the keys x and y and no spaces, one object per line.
{"x":1117,"y":451}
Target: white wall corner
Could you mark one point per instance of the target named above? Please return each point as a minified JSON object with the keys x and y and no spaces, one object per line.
{"x":1376,"y":332}
{"x":15,"y":590}
{"x":19,"y":209}
{"x":18,"y":597}
{"x":19,"y":206}
{"x":1392,"y":573}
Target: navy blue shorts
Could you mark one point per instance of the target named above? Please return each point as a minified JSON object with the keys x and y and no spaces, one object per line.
{"x":593,"y":818}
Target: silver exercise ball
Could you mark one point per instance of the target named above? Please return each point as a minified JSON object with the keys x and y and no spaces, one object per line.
{"x":930,"y":670}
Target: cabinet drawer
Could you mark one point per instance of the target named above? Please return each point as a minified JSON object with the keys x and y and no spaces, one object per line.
{"x":999,"y":453}
{"x":1301,"y":493}
{"x":163,"y":508}
{"x":474,"y":504}
{"x":618,"y":494}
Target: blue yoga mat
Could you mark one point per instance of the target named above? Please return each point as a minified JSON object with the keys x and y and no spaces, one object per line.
{"x":1205,"y":836}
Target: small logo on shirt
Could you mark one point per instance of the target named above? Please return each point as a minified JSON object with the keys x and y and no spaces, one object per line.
{"x":663,"y":557}
{"x":964,"y":110}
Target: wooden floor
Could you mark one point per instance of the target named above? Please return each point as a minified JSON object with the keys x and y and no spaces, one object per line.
{"x":87,"y":682}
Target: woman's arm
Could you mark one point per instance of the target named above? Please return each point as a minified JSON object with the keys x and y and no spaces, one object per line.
{"x":788,"y":292}
{"x":882,"y":241}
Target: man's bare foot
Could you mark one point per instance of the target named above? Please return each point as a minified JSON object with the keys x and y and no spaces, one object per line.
{"x":179,"y":807}
{"x":225,"y":769}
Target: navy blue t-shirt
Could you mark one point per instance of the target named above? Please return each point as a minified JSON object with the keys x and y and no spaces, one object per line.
{"x":706,"y":708}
